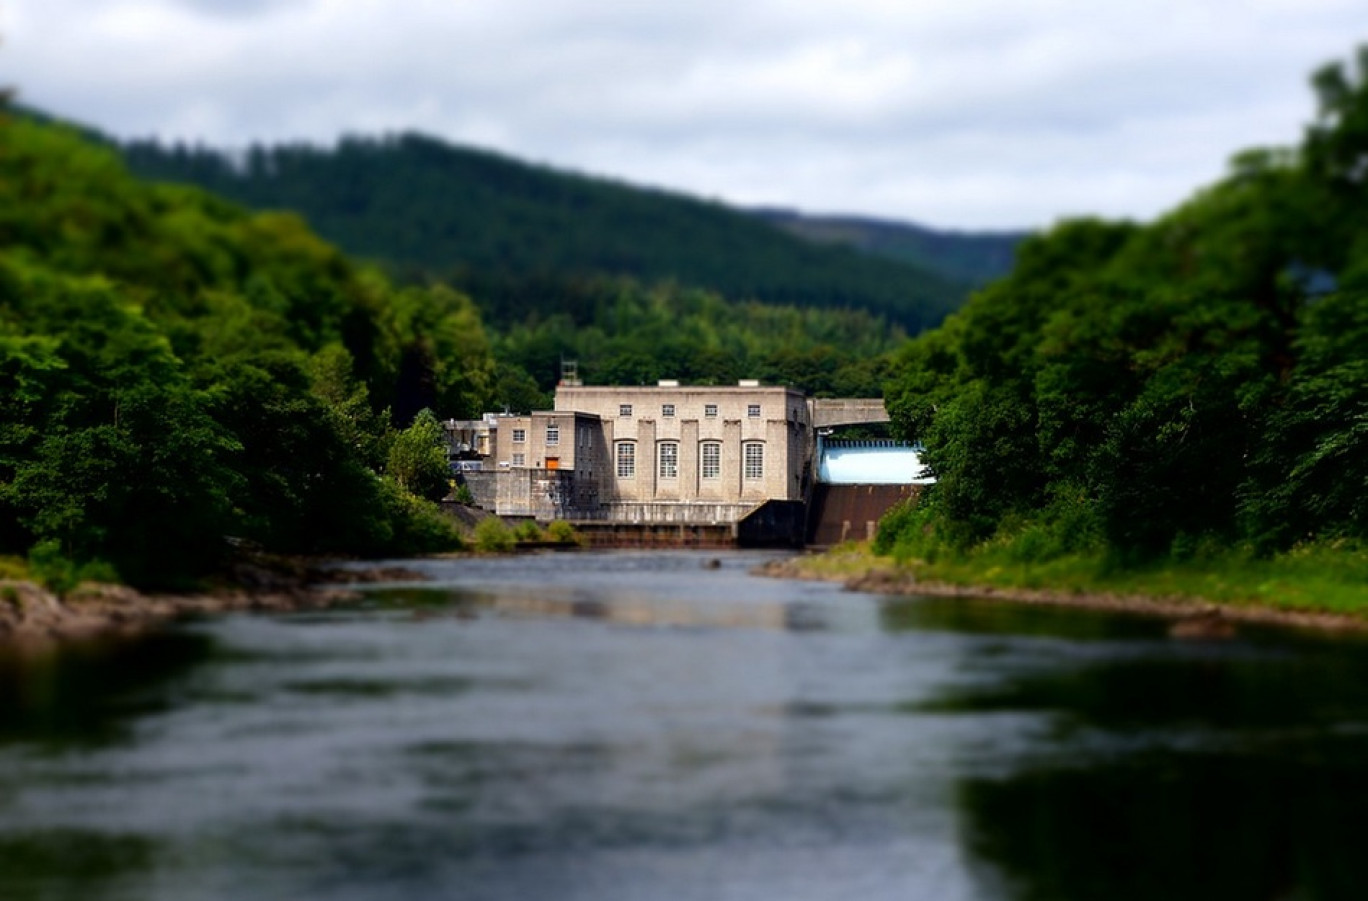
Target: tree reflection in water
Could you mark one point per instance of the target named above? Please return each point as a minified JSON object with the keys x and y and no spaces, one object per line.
{"x":1173,"y":770}
{"x":1177,"y":826}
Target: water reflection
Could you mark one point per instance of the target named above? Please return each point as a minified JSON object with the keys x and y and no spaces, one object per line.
{"x":619,"y":607}
{"x":1177,"y":826}
{"x":1230,"y":770}
{"x":75,"y":864}
{"x":629,"y":727}
{"x":981,"y":616}
{"x":87,"y":692}
{"x":683,"y":590}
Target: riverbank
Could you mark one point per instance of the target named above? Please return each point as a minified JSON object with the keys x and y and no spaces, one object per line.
{"x":30,"y":614}
{"x":33,"y":615}
{"x":1191,"y":616}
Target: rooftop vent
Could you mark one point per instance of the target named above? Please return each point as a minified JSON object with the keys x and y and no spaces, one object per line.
{"x":570,"y":373}
{"x":668,"y":383}
{"x":748,"y":383}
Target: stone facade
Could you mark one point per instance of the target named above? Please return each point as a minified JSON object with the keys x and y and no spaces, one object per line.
{"x":678,"y":465}
{"x":665,"y":454}
{"x":541,"y":494}
{"x":568,"y":447}
{"x":705,"y":446}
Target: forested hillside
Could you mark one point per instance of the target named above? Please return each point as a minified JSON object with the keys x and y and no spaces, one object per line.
{"x":634,"y":285}
{"x":1162,"y":391}
{"x":176,"y":372}
{"x":974,"y":258}
{"x":511,"y":234}
{"x":625,"y":333}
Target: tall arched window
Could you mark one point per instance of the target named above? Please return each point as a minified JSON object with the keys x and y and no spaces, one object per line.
{"x":668,"y":455}
{"x":710,"y":460}
{"x":625,"y":454}
{"x":753,"y":460}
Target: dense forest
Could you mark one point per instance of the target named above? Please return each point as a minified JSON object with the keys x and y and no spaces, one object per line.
{"x":508,"y":233}
{"x":177,"y":373}
{"x":974,"y":258}
{"x":1167,"y":390}
{"x":625,"y":333}
{"x":635,"y":285}
{"x":182,"y":376}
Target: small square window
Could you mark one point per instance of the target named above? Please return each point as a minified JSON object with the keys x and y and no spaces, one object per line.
{"x":710,"y":411}
{"x":519,"y":459}
{"x":667,"y":410}
{"x":753,"y":411}
{"x":624,"y":409}
{"x":519,"y":436}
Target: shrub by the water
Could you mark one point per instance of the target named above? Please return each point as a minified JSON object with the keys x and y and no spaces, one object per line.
{"x":12,"y":567}
{"x":417,"y":526}
{"x":528,"y":531}
{"x":562,"y":532}
{"x":492,"y":536}
{"x":60,"y":574}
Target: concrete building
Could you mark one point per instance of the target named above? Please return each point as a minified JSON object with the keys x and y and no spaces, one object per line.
{"x":693,"y":453}
{"x":739,"y":458}
{"x":666,"y":454}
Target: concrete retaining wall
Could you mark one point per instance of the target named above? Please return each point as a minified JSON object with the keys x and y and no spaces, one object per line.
{"x":543,"y":494}
{"x":656,"y":535}
{"x":701,"y":514}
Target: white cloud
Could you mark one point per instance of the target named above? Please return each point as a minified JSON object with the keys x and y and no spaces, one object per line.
{"x":973,"y":113}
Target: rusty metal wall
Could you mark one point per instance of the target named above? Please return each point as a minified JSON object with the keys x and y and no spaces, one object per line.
{"x":851,"y":512}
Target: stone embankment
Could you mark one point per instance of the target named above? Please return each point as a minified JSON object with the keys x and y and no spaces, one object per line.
{"x":32,"y":614}
{"x":1190,"y":618}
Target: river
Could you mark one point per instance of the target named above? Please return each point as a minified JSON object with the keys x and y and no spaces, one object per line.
{"x":630,"y":726}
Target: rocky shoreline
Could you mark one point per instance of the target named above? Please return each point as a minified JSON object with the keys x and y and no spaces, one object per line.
{"x":1188,"y":618}
{"x":30,"y":614}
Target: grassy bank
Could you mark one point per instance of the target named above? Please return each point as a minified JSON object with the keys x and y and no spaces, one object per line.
{"x":1321,"y":579}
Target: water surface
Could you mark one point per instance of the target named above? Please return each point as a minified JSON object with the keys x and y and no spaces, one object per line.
{"x":640,"y":726}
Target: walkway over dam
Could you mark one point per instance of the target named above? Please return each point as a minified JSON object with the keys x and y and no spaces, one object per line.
{"x":831,"y":412}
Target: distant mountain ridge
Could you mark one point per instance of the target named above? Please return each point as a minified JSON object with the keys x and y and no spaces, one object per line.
{"x":973,"y":257}
{"x":501,"y":227}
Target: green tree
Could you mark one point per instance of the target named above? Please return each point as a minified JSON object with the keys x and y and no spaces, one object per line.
{"x":418,"y":458}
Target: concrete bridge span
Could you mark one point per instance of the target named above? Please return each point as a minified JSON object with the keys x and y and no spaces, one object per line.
{"x":831,"y":412}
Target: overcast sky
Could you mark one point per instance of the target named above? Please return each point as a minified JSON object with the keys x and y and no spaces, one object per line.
{"x":954,"y":113}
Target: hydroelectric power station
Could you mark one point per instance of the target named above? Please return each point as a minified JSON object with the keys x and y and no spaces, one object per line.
{"x":678,"y":465}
